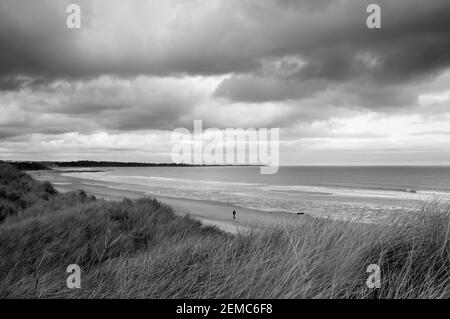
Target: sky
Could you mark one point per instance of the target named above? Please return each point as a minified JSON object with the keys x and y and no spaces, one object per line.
{"x":115,"y":89}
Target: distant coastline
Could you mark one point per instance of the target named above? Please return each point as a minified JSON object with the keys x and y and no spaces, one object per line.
{"x":46,"y":165}
{"x":27,"y":166}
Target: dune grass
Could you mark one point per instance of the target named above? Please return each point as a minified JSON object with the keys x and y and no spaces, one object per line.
{"x":142,"y":249}
{"x":18,"y":191}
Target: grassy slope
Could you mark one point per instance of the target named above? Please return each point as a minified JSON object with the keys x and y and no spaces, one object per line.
{"x":142,"y":249}
{"x":18,"y":191}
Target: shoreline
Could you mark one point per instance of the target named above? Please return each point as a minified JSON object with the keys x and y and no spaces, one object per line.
{"x":208,"y":212}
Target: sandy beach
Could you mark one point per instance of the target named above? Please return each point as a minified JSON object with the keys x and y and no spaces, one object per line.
{"x":208,"y":212}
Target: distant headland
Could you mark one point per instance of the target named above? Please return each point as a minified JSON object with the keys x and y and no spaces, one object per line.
{"x":48,"y":165}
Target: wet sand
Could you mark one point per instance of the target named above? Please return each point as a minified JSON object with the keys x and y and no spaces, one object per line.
{"x":208,"y":212}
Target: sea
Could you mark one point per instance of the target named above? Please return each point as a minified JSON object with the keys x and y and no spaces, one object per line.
{"x":369,"y":194}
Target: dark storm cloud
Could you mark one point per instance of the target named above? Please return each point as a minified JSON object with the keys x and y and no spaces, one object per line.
{"x":35,"y":42}
{"x":248,"y":88}
{"x":32,"y":41}
{"x":7,"y":134}
{"x":412,"y":46}
{"x":235,"y":37}
{"x":11,"y":83}
{"x":164,"y":117}
{"x":316,"y":57}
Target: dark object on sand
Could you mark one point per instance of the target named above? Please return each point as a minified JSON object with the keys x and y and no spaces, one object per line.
{"x":234,"y":214}
{"x":300,"y":213}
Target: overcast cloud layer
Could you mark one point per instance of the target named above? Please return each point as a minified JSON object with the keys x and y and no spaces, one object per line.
{"x":114,"y":89}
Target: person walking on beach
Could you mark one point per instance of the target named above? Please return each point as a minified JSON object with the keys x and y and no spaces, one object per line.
{"x":234,"y":214}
